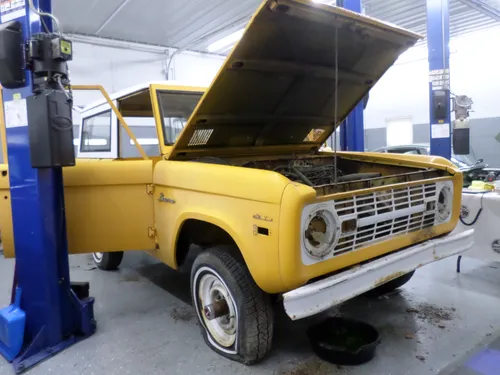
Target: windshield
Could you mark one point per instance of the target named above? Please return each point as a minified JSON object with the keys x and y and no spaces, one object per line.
{"x":465,"y":159}
{"x":176,"y":108}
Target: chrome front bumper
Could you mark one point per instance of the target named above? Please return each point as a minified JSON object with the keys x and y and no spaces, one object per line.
{"x":314,"y":298}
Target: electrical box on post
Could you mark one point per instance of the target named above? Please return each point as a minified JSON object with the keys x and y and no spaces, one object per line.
{"x":50,"y":129}
{"x":440,"y":105}
{"x":12,"y":74}
{"x":50,"y":122}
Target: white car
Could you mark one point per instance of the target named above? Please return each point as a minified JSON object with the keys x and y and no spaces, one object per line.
{"x":472,"y":168}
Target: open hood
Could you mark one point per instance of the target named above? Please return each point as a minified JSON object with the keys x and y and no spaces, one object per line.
{"x":276,"y":90}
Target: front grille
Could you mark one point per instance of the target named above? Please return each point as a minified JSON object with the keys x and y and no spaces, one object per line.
{"x":370,"y":218}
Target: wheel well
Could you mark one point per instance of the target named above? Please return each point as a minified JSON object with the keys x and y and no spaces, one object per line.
{"x":201,"y":234}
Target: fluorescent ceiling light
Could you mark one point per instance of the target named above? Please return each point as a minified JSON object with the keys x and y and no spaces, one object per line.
{"x":226,"y":41}
{"x":96,"y":142}
{"x":91,"y":142}
{"x":145,"y":141}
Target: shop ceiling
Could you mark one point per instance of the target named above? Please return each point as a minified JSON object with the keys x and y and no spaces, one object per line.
{"x":197,"y":24}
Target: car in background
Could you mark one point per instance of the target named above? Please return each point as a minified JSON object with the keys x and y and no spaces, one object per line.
{"x":472,"y":168}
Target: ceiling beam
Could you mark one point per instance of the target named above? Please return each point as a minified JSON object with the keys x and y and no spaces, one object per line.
{"x":113,"y":15}
{"x":483,"y":7}
{"x":121,"y":44}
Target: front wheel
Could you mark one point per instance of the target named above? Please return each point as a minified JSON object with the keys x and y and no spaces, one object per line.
{"x":108,"y":261}
{"x":235,"y":315}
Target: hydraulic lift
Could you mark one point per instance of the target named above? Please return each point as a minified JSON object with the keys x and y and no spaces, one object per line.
{"x":352,"y":130}
{"x":438,"y":40}
{"x":438,"y":37}
{"x":37,"y":97}
{"x":39,"y":133}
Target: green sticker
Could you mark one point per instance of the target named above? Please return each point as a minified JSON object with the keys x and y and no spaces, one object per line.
{"x":66,"y":47}
{"x":17,"y":96}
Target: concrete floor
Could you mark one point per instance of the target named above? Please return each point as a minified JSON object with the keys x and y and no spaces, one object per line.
{"x":146,"y":325}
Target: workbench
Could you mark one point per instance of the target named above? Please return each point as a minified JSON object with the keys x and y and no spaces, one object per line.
{"x":481,"y":211}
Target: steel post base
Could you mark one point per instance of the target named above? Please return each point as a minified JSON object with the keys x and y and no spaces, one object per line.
{"x":84,"y":327}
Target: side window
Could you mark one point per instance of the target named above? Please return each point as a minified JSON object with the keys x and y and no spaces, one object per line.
{"x":176,"y":108}
{"x":173,"y":127}
{"x":96,"y":133}
{"x":144,"y":130}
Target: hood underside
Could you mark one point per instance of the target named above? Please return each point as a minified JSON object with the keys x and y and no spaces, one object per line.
{"x":280,"y":90}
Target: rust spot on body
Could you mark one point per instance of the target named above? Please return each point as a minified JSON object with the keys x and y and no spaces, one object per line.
{"x":386,"y":279}
{"x":424,"y":235}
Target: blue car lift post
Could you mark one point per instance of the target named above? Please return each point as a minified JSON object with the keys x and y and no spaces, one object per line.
{"x":352,"y":131}
{"x":438,"y":45}
{"x":55,"y":317}
{"x":438,"y":41}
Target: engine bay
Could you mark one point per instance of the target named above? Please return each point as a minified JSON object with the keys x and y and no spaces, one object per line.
{"x":307,"y":172}
{"x":333,"y":174}
{"x":330,"y":174}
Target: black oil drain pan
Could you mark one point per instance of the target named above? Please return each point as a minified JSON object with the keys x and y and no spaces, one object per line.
{"x":344,"y":341}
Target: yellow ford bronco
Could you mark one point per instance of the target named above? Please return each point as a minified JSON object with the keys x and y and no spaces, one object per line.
{"x":237,"y":171}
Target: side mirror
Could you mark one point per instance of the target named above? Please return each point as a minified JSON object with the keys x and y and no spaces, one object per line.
{"x":12,"y":74}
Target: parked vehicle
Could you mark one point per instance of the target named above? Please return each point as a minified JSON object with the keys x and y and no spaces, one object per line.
{"x":238,"y":173}
{"x":472,"y":168}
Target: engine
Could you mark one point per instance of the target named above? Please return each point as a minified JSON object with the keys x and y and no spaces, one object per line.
{"x":314,"y":172}
{"x":308,"y":173}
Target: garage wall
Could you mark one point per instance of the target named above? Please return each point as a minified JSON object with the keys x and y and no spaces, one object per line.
{"x":403,"y":92}
{"x":119,"y":68}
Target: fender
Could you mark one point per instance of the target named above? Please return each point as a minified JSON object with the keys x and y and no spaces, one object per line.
{"x":260,"y":253}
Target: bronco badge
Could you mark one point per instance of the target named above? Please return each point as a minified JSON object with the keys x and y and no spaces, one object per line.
{"x":164,"y":199}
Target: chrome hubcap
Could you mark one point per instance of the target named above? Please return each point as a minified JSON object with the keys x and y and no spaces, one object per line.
{"x":224,"y":328}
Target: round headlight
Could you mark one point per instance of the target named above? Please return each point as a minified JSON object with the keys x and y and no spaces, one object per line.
{"x":444,"y":203}
{"x":320,"y":233}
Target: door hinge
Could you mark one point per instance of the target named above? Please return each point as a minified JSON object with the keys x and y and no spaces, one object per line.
{"x":152,"y":232}
{"x":150,"y":189}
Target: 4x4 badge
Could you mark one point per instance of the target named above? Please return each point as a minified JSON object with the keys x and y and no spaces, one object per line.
{"x":164,"y":199}
{"x":263,"y":218}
